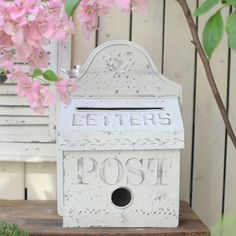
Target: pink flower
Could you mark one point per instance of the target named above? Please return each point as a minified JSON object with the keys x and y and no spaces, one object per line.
{"x":8,"y":64}
{"x":136,"y":5}
{"x":28,"y":26}
{"x":5,"y":40}
{"x":88,"y":12}
{"x":107,"y":3}
{"x":2,"y":20}
{"x":24,"y":86}
{"x":125,"y":5}
{"x":18,"y":38}
{"x":16,"y":12}
{"x":38,"y":96}
{"x":65,"y":88}
{"x":9,"y":28}
{"x":23,"y":52}
{"x":16,"y":73}
{"x":33,"y":35}
{"x":38,"y":58}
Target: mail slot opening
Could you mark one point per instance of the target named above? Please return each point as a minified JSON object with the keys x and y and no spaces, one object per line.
{"x":121,"y":197}
{"x":119,"y":108}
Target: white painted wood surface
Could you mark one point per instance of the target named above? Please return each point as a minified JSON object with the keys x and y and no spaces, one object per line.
{"x":110,"y":26}
{"x":40,"y":181}
{"x":150,"y":178}
{"x":182,"y":72}
{"x":81,"y":46}
{"x":147,"y":30}
{"x":177,"y":51}
{"x":124,"y":65}
{"x":29,"y":137}
{"x":135,"y":124}
{"x":20,"y":125}
{"x":118,"y":69}
{"x":230,"y":180}
{"x":12,"y":185}
{"x":209,"y":137}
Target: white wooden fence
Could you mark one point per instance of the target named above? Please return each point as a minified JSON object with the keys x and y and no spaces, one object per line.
{"x":208,"y":163}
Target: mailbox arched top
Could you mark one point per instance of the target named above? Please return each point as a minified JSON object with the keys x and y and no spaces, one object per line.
{"x":123,"y":69}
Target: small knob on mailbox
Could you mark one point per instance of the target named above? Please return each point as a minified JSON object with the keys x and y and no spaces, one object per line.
{"x":122,"y":219}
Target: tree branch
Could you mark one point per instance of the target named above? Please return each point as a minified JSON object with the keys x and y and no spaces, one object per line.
{"x":196,"y":41}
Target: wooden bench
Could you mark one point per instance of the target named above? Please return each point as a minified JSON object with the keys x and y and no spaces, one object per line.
{"x":40,"y":218}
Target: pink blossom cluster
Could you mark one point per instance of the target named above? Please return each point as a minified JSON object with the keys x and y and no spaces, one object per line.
{"x":26,"y":29}
{"x":40,"y":96}
{"x":90,"y":10}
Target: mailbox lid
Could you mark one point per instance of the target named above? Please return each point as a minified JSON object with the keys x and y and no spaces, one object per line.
{"x":121,"y":124}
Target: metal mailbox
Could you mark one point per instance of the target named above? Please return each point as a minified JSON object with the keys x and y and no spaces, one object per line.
{"x":119,"y":143}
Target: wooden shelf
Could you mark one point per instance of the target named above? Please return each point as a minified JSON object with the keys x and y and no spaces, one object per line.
{"x":40,"y":218}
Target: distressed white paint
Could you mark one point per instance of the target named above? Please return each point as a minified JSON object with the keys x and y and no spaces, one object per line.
{"x":209,"y":140}
{"x":178,"y":64}
{"x":19,"y":124}
{"x":121,"y":124}
{"x":29,"y":152}
{"x":110,"y":124}
{"x":12,"y":181}
{"x":119,"y":69}
{"x":112,"y":68}
{"x":40,"y":180}
{"x":151,"y":177}
{"x":26,"y":136}
{"x":147,"y":30}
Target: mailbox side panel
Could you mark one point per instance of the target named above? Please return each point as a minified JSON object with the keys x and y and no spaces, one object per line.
{"x":121,"y":188}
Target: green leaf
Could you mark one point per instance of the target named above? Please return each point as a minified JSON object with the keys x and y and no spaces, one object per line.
{"x":231,"y":2}
{"x":36,"y":73}
{"x":71,"y":6}
{"x":8,"y":229}
{"x":206,"y":6}
{"x":227,"y":224}
{"x":49,"y":75}
{"x":231,"y":30}
{"x":213,"y":33}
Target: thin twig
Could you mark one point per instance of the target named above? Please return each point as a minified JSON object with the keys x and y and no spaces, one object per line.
{"x":206,"y":64}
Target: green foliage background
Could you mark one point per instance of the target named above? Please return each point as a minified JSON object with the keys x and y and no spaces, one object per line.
{"x":7,"y":229}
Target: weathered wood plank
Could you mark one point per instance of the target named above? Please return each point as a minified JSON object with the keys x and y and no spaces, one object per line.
{"x":147,"y":30}
{"x":8,"y":89}
{"x":26,"y":133}
{"x":12,"y":180}
{"x":230,"y":193}
{"x":181,"y":71}
{"x":25,"y":138}
{"x":116,"y":18}
{"x":20,"y":111}
{"x":11,"y":121}
{"x":209,"y":136}
{"x":18,"y":130}
{"x":28,"y":152}
{"x":6,"y":100}
{"x":81,"y":46}
{"x":40,"y":218}
{"x":40,"y":181}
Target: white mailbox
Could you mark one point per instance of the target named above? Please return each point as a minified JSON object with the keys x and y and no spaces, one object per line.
{"x":119,"y":143}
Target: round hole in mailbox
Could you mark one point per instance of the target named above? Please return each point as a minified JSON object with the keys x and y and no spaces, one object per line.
{"x":121,"y":197}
